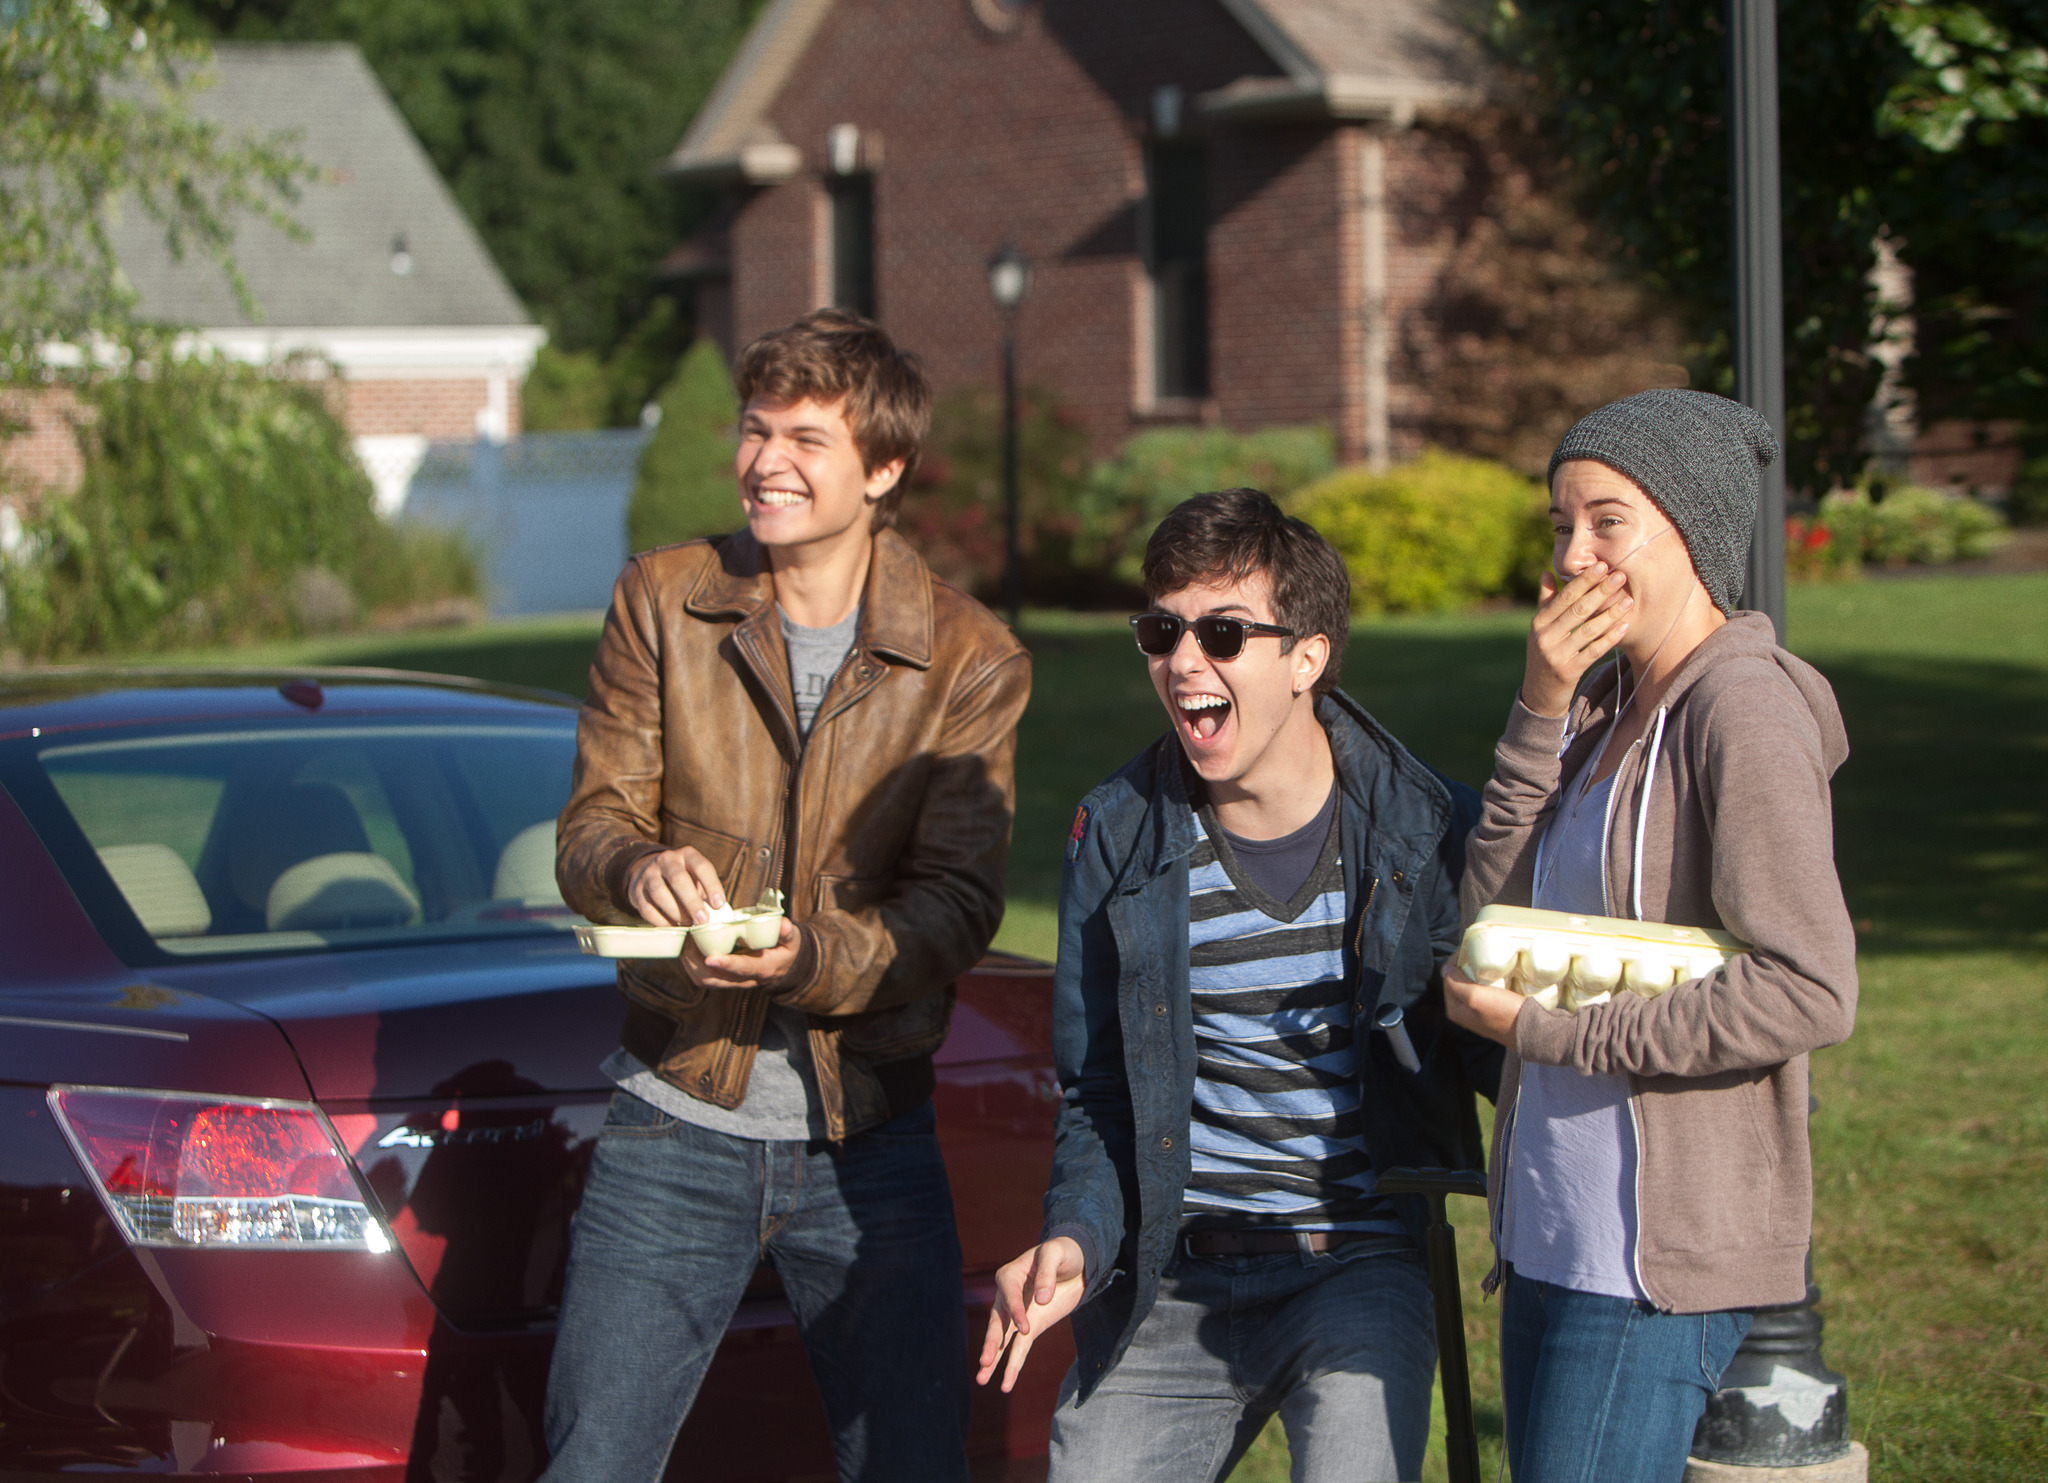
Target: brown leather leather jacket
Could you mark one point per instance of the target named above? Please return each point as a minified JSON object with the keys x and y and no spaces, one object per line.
{"x":888,"y":831}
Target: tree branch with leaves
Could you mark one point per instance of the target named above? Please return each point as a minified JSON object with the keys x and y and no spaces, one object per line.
{"x":97,"y":117}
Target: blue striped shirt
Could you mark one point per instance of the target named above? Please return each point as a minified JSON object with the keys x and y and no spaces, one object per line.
{"x":1276,"y":1135}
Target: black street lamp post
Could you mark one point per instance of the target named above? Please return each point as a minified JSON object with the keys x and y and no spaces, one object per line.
{"x":1759,"y":276}
{"x":1009,"y":280}
{"x":1779,"y":1405}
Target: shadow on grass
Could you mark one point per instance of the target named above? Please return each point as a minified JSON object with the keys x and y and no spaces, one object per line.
{"x":1941,"y":815}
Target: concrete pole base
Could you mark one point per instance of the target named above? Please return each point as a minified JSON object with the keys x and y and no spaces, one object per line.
{"x":1855,"y":1468}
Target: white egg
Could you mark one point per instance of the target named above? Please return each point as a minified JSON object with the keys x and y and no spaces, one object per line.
{"x":1488,"y":954}
{"x":1649,"y":975}
{"x":1594,"y":972}
{"x":1544,"y":962}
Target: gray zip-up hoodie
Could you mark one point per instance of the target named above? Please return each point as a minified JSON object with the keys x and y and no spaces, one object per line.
{"x":1720,"y":817}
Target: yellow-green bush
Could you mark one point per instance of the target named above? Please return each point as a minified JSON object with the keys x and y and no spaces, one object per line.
{"x":1434,"y":535}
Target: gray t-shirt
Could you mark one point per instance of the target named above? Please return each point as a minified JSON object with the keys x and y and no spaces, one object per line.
{"x":1280,"y":867}
{"x":782,"y":1093}
{"x":815,"y":655}
{"x":782,"y":1100}
{"x":1570,"y":1214}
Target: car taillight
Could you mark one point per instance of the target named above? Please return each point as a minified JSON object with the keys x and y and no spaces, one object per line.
{"x":183,"y":1170}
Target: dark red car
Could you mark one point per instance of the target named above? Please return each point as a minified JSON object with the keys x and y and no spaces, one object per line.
{"x":298,"y":1083}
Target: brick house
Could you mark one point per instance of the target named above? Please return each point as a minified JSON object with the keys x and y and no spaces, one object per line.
{"x":1234,"y":208}
{"x":393,"y":287}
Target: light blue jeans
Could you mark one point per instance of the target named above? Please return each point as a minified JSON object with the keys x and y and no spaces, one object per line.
{"x":1599,"y":1389}
{"x":673,"y":1222}
{"x":1340,"y":1345}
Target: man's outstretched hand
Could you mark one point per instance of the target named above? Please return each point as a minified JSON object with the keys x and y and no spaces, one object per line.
{"x":1033,"y":1293}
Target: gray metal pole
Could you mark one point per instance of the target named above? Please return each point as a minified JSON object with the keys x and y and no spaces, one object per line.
{"x":1013,"y":556}
{"x":1759,"y":276}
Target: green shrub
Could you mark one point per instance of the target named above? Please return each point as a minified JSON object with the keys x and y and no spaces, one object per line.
{"x":1816,"y":553}
{"x":566,"y":391}
{"x":1910,"y":524}
{"x":953,"y":511}
{"x":414,"y":569}
{"x":1129,"y":495}
{"x":1437,"y":534}
{"x":685,"y":485}
{"x":570,"y":391}
{"x":219,"y":503}
{"x":2029,"y":504}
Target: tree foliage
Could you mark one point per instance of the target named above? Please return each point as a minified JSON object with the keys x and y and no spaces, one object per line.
{"x":1532,"y":322}
{"x":1972,"y":205}
{"x":96,"y":117}
{"x":1918,"y":118}
{"x":547,"y":119}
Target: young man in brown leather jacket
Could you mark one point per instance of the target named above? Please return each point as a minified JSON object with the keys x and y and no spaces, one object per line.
{"x":803,"y":707}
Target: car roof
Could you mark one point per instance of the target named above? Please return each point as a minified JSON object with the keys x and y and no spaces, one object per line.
{"x":63,"y":699}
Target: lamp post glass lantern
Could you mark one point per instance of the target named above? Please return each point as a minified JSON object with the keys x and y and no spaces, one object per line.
{"x":1009,"y":277}
{"x":1009,"y":280}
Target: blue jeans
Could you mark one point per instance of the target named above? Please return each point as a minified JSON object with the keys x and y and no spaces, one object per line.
{"x":1341,"y":1345}
{"x":1598,"y":1389}
{"x":673,"y":1222}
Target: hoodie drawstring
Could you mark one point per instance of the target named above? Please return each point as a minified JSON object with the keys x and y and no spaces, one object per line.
{"x":1643,"y":812}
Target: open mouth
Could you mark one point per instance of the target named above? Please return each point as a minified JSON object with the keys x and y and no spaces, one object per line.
{"x":778,"y":499}
{"x":1203,"y":715}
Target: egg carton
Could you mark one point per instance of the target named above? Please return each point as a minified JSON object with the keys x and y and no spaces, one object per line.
{"x":1566,"y":961}
{"x":730,"y":927}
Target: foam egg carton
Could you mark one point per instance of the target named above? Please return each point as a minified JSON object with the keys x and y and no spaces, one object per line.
{"x":1566,"y":961}
{"x":752,"y":927}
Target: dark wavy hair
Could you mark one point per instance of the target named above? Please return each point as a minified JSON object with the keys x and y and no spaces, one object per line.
{"x":1232,"y":535}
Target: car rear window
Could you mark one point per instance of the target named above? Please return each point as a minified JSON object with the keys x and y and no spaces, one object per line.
{"x":306,"y":838}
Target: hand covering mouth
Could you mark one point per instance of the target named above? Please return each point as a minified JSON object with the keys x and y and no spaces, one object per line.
{"x":1204,"y":714}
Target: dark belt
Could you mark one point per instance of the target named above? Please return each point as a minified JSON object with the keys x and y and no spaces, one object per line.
{"x":1269,"y":1243}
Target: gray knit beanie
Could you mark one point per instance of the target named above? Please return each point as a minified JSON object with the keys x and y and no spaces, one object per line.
{"x":1700,"y":457}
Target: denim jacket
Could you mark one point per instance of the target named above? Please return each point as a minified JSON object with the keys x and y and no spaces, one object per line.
{"x":1123,"y":1025}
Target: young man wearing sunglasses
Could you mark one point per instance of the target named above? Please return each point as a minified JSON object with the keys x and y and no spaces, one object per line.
{"x":1241,"y":901}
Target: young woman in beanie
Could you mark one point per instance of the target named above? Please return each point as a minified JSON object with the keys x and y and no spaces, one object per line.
{"x":1651,"y":1175}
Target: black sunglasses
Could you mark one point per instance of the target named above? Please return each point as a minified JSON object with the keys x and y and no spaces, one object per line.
{"x":1158,"y":634}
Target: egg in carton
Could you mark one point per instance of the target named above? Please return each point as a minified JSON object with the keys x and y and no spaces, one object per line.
{"x":731,"y":927}
{"x":1566,"y":961}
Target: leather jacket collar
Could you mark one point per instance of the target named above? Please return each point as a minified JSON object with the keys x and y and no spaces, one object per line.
{"x":897,"y":620}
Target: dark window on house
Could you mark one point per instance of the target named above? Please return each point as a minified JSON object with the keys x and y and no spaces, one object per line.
{"x":1177,"y":175}
{"x":853,"y":243}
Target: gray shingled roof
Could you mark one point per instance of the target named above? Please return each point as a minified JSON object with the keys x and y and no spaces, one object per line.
{"x":1419,"y":42}
{"x":379,"y":187}
{"x":1358,"y":58}
{"x":1342,"y":58}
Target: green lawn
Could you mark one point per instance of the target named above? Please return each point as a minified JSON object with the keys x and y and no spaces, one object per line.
{"x":1931,"y":1143}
